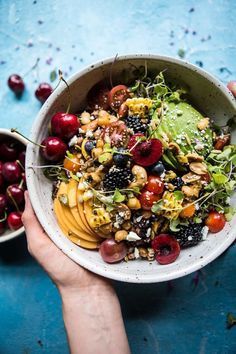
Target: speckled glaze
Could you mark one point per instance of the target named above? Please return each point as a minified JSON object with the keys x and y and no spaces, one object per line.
{"x":206,"y":93}
{"x":8,"y":234}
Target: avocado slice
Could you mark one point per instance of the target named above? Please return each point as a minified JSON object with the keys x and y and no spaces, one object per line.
{"x":179,"y":123}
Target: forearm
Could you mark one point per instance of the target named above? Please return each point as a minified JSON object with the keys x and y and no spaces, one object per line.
{"x":94,"y":323}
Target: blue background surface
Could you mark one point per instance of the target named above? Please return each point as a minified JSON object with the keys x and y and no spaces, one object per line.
{"x":186,"y":315}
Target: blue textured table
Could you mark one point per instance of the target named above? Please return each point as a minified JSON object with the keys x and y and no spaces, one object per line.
{"x":186,"y":315}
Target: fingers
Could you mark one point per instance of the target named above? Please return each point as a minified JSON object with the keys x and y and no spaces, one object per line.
{"x":35,"y":234}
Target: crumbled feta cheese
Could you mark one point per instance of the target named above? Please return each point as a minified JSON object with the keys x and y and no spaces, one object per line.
{"x":89,"y":134}
{"x":149,"y":230}
{"x":197,"y":206}
{"x":139,"y":218}
{"x":81,"y":131}
{"x":79,"y":174}
{"x":132,"y":236}
{"x":205,"y":231}
{"x":190,"y":238}
{"x":136,"y":253}
{"x":73,"y":141}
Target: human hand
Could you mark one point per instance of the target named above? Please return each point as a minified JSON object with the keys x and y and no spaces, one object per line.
{"x":66,"y":274}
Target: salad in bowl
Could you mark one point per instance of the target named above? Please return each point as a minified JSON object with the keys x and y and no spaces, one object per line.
{"x":139,"y":173}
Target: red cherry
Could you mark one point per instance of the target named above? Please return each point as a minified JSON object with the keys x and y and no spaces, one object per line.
{"x":155,"y":185}
{"x":148,"y":152}
{"x":43,"y":91}
{"x":112,"y":251}
{"x":2,"y":227}
{"x":3,"y":204}
{"x":54,"y":149}
{"x":16,"y":84}
{"x":8,"y":151}
{"x":166,"y":247}
{"x":1,"y":183}
{"x":215,"y":221}
{"x":14,"y":220}
{"x":1,"y":166}
{"x":134,"y":139}
{"x":232,"y":87}
{"x":65,"y":125}
{"x":11,"y":171}
{"x":147,"y":199}
{"x":15,"y":195}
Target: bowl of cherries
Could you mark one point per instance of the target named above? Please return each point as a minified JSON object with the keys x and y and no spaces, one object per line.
{"x":12,"y":184}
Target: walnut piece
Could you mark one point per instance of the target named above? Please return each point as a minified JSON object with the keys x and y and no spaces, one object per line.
{"x":190,"y":177}
{"x":203,"y":123}
{"x":200,"y":168}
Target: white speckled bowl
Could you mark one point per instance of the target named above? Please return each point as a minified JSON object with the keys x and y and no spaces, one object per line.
{"x":6,"y":134}
{"x":207,"y":94}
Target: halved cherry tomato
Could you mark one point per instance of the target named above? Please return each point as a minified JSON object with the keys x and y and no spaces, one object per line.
{"x":155,"y":185}
{"x":221,"y":141}
{"x":215,"y":221}
{"x":147,"y":199}
{"x":98,"y":96}
{"x":117,"y":132}
{"x":123,"y":111}
{"x":117,"y":96}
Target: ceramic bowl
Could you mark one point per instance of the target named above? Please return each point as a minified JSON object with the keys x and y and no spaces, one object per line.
{"x":206,"y":93}
{"x":6,"y":135}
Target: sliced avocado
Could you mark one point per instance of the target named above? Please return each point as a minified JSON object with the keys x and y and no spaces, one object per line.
{"x":179,"y":123}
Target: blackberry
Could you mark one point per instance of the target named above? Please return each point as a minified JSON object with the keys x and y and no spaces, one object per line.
{"x":177,"y":182}
{"x":117,"y":178}
{"x":136,"y":124}
{"x":189,"y":235}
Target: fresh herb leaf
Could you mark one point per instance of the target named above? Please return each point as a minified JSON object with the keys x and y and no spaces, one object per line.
{"x":174,"y":225}
{"x":157,"y":206}
{"x":69,"y":154}
{"x":118,"y":197}
{"x":178,"y":195}
{"x":219,"y":178}
{"x":181,"y":53}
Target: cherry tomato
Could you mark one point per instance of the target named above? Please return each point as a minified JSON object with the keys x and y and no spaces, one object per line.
{"x":112,"y":251}
{"x":215,"y":221}
{"x":98,"y":97}
{"x":72,"y":164}
{"x":123,"y":111}
{"x":155,"y":185}
{"x":117,"y":96}
{"x":147,"y":199}
{"x":118,"y":133}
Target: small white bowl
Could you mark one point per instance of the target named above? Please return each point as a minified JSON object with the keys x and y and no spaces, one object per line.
{"x":6,"y":134}
{"x":207,"y":94}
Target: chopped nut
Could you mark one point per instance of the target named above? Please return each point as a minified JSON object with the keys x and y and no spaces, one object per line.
{"x":121,"y":235}
{"x":126,"y":213}
{"x":194,"y":157}
{"x":164,"y":227}
{"x":151,"y":254}
{"x":105,"y":229}
{"x":146,"y":214}
{"x":126,"y":225}
{"x":140,"y":177}
{"x":131,"y":256}
{"x":203,"y":123}
{"x":191,"y":191}
{"x":190,"y":177}
{"x":170,"y":187}
{"x":134,"y":203}
{"x":143,"y":252}
{"x":200,"y":168}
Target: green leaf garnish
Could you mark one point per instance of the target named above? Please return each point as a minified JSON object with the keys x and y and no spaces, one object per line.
{"x":219,"y":178}
{"x":157,"y":206}
{"x":178,"y":195}
{"x":69,"y":154}
{"x":118,"y":197}
{"x":174,"y":225}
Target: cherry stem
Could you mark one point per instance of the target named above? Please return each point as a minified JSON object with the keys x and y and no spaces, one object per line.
{"x":13,"y":200}
{"x":21,"y":183}
{"x":32,"y":68}
{"x":4,"y":218}
{"x":13,"y":130}
{"x":70,"y":97}
{"x":20,"y":164}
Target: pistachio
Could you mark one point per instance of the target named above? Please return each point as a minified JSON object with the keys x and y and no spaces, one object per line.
{"x":190,"y":177}
{"x":203,"y":123}
{"x":200,"y":168}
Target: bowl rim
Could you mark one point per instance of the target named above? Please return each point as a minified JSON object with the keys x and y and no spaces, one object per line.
{"x":20,"y":231}
{"x":59,"y":241}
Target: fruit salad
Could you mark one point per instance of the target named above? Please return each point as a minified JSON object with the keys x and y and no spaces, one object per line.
{"x":140,"y":173}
